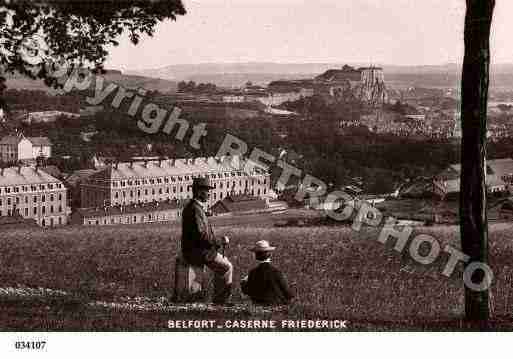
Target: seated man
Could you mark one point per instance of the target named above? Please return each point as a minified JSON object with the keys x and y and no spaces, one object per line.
{"x":265,"y":284}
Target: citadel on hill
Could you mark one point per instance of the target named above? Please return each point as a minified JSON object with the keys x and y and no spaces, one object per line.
{"x":364,"y":84}
{"x":347,"y":84}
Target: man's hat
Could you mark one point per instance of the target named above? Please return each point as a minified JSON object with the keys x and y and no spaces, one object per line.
{"x":262,"y":246}
{"x":201,"y":182}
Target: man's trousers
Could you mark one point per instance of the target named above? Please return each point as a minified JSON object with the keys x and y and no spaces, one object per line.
{"x":223,"y":277}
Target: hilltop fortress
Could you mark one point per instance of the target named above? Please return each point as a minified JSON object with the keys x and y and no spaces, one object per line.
{"x":365,"y":84}
{"x":347,"y":84}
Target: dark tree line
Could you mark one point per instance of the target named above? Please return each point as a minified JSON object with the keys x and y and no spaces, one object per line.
{"x":193,"y":87}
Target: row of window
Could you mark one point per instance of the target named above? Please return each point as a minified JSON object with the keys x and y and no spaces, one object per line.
{"x":134,"y":219}
{"x":121,"y":197}
{"x":25,"y":212}
{"x":31,"y":188}
{"x":161,"y":180}
{"x":188,"y":189}
{"x":124,"y":201}
{"x":17,"y":200}
{"x":214,"y":196}
{"x":51,"y":222}
{"x":181,"y":190}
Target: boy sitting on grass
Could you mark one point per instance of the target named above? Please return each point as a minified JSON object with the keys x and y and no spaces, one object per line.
{"x":265,"y":284}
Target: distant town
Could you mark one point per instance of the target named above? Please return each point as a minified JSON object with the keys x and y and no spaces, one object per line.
{"x":59,"y":166}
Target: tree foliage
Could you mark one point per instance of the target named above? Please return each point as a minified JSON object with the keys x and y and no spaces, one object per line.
{"x":74,"y":32}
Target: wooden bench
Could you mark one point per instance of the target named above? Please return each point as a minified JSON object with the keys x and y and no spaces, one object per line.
{"x":190,"y":282}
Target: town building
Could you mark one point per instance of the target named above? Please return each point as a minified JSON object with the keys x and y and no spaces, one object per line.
{"x":415,"y":117}
{"x":72,"y":183}
{"x":41,"y":147}
{"x":48,"y":116}
{"x":239,"y":204}
{"x":499,"y":178}
{"x":268,"y":98}
{"x":277,"y":98}
{"x":90,"y":111}
{"x":233,"y":98}
{"x":54,"y":171}
{"x":501,"y":210}
{"x":153,"y":212}
{"x":33,"y":194}
{"x":156,"y":181}
{"x":21,"y":148}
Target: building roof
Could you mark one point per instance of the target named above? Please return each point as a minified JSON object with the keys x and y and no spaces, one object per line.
{"x":239,"y":203}
{"x":80,"y":175}
{"x":127,"y":209}
{"x":11,"y":140}
{"x":52,"y":171}
{"x":173,"y":167}
{"x":494,"y":181}
{"x":36,"y":141}
{"x":449,"y":180}
{"x":25,"y":175}
{"x":40,"y":141}
{"x":297,"y":84}
{"x":500,"y":167}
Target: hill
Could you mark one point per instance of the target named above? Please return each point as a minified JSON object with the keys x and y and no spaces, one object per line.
{"x":337,"y":274}
{"x":130,"y":81}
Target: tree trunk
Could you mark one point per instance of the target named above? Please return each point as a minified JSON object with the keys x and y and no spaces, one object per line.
{"x":474,"y":102}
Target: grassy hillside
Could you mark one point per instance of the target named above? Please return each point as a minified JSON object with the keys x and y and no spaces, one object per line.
{"x":337,"y":274}
{"x":129,"y":81}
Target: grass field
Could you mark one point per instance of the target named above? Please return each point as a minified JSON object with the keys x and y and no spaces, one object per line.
{"x":337,"y":274}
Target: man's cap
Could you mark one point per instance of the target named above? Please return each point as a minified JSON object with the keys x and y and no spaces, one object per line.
{"x":201,"y":182}
{"x":262,"y":246}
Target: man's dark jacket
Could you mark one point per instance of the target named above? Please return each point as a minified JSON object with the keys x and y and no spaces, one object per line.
{"x":199,"y":245}
{"x":267,"y":286}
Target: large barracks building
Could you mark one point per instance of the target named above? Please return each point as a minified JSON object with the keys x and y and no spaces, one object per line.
{"x":128,"y":192}
{"x":34,"y":194}
{"x":129,"y":183}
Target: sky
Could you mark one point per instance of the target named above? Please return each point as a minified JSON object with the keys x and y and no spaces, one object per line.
{"x":393,"y":32}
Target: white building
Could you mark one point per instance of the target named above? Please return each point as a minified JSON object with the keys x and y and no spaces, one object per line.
{"x":41,"y":147}
{"x":499,"y":178}
{"x":48,"y":116}
{"x":19,"y":148}
{"x":233,"y":98}
{"x":278,"y":98}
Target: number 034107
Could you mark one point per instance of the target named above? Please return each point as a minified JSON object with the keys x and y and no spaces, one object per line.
{"x":30,"y":345}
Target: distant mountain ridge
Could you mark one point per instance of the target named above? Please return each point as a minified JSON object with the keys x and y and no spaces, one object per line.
{"x":236,"y":74}
{"x":165,"y":79}
{"x":129,"y":81}
{"x":183,"y":71}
